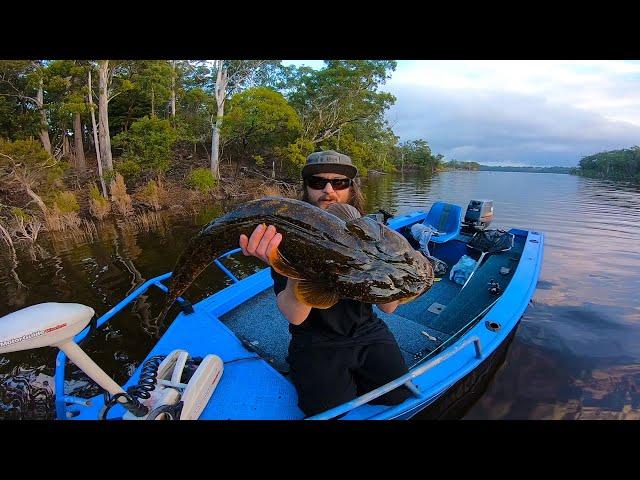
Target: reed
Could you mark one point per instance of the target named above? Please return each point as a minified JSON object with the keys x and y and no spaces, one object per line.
{"x":120,"y":197}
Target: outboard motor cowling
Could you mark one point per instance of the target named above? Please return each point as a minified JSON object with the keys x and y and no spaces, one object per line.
{"x":479,"y":214}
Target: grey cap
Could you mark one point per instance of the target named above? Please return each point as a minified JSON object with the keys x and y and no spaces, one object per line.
{"x":329,"y":161}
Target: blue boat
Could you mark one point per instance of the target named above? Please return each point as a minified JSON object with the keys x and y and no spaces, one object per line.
{"x":449,"y":336}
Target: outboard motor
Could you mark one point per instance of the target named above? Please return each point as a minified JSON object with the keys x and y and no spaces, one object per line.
{"x":479,"y":214}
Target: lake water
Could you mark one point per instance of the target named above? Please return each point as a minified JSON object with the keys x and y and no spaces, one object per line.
{"x":575,"y":355}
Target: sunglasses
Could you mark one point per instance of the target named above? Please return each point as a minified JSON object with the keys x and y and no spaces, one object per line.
{"x":319,"y":183}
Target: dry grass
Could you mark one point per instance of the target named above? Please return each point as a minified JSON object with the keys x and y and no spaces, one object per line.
{"x":146,"y":221}
{"x":277,"y":189}
{"x":99,"y":208}
{"x":120,"y":197}
{"x":56,"y":220}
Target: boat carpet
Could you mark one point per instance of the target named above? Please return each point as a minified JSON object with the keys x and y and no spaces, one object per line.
{"x":475,"y":297}
{"x":260,"y":326}
{"x":442,"y":292}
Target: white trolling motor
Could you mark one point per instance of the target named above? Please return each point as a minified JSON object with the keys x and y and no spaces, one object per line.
{"x":160,"y":394}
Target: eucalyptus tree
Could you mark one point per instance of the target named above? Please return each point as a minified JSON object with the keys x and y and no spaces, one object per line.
{"x":110,"y":85}
{"x":24,"y":80}
{"x":232,"y":76}
{"x":66,"y":97}
{"x":342,"y":93}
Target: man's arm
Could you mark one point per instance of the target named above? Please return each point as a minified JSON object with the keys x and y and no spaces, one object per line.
{"x":293,"y":310}
{"x":389,"y":307}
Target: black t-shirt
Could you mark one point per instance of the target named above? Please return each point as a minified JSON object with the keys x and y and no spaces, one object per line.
{"x":347,"y":318}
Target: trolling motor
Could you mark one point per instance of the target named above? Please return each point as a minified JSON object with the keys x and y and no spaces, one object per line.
{"x":159,"y":395}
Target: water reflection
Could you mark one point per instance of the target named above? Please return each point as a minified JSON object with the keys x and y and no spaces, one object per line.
{"x":576,"y":353}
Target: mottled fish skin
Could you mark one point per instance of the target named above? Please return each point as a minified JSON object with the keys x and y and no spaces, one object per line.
{"x":360,"y":259}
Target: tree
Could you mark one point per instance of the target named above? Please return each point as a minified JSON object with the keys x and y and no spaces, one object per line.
{"x":343,"y":93}
{"x":108,"y":89}
{"x":104,"y":77}
{"x":24,"y":79}
{"x":66,"y":95}
{"x":260,"y":120}
{"x":231,"y":76}
{"x":148,"y":143}
{"x":25,"y":163}
{"x":19,"y":118}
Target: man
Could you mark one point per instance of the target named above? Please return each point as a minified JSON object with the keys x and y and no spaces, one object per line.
{"x":345,"y":351}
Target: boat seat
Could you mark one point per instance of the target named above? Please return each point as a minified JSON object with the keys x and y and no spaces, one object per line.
{"x":446,"y":218}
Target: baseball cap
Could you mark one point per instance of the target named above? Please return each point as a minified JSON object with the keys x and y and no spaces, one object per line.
{"x":329,"y":161}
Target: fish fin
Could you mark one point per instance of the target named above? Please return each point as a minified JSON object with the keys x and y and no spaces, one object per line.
{"x":281,"y":265}
{"x":315,"y":294}
{"x":344,"y":211}
{"x":365,"y":228}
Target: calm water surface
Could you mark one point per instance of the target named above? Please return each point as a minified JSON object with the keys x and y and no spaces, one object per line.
{"x":576,"y":353}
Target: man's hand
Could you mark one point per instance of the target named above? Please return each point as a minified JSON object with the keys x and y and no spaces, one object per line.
{"x":262,"y":243}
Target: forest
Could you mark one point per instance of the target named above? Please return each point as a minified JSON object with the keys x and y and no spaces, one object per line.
{"x":621,"y":164}
{"x":83,"y":140}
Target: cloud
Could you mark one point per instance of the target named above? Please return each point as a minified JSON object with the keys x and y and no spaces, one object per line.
{"x":500,"y":127}
{"x":516,"y":112}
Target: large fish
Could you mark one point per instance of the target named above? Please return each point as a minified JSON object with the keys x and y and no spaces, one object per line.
{"x":334,"y":253}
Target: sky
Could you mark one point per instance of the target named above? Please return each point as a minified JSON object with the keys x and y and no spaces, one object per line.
{"x":515,"y":112}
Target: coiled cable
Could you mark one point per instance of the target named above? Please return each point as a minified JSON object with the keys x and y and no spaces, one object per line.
{"x":146,"y":383}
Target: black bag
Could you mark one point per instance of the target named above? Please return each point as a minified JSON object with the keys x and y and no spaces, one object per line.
{"x":491,"y":241}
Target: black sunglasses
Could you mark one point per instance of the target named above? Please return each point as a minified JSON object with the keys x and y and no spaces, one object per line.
{"x":319,"y":183}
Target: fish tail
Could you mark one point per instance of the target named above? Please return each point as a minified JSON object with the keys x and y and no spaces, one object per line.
{"x":199,"y":253}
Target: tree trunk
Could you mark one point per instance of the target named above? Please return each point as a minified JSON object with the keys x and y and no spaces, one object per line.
{"x":103,"y":115}
{"x":221,"y":88}
{"x":81,"y":163}
{"x":66,"y":148}
{"x":95,"y":140}
{"x":153,"y":110}
{"x":36,"y":199}
{"x":44,"y":129}
{"x":173,"y":90}
{"x":215,"y":145}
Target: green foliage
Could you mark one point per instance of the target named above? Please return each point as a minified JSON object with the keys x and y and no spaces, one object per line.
{"x":94,"y":194}
{"x":615,"y":165}
{"x":66,"y":201}
{"x":110,"y":175}
{"x":418,"y":153}
{"x":150,"y":190}
{"x":98,"y":205}
{"x":148,"y":143}
{"x":27,"y":164}
{"x":458,"y":165}
{"x":342,"y":93}
{"x":193,"y":118}
{"x":258,"y":121}
{"x":19,"y":119}
{"x":129,"y":169}
{"x":201,"y":179}
{"x":295,"y":155}
{"x":20,"y":213}
{"x":272,"y":113}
